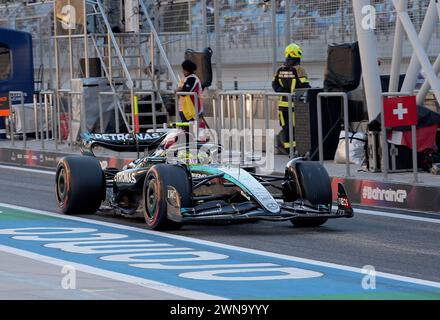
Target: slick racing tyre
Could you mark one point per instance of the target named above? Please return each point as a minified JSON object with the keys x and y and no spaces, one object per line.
{"x":316,"y":188}
{"x":155,"y":194}
{"x":315,"y":183}
{"x":80,"y":185}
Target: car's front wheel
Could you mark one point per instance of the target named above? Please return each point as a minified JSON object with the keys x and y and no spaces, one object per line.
{"x":315,"y":188}
{"x":155,"y":192}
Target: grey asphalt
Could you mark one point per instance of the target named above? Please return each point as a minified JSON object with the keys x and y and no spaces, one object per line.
{"x":398,"y":246}
{"x":27,"y":279}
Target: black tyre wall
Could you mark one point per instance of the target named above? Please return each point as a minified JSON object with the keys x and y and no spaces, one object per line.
{"x":85,"y":184}
{"x":315,"y":182}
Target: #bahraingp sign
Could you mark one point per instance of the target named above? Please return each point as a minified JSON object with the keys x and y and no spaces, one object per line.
{"x":400,"y":111}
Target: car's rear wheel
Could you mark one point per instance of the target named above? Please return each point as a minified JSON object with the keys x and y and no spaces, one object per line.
{"x":80,"y":185}
{"x":316,"y":189}
{"x":156,"y":184}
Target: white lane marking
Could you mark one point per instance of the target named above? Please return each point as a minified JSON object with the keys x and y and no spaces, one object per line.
{"x":97,"y":290}
{"x":231,"y":247}
{"x":394,"y":215}
{"x":155,"y":285}
{"x":28,"y":170}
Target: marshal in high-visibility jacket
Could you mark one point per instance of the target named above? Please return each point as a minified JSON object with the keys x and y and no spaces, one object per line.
{"x":290,"y":76}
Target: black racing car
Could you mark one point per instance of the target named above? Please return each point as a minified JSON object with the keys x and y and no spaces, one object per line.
{"x":173,"y":185}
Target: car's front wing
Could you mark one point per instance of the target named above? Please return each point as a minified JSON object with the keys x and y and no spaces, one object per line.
{"x":248,"y":211}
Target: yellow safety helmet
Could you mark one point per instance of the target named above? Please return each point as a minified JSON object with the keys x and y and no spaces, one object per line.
{"x":293,"y":51}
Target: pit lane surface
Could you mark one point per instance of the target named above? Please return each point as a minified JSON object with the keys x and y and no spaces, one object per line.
{"x":398,"y":246}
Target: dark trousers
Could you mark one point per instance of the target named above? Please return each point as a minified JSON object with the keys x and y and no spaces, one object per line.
{"x":283,"y":113}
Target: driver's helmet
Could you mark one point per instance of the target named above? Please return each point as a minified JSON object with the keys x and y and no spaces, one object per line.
{"x":194,"y":156}
{"x":172,"y":138}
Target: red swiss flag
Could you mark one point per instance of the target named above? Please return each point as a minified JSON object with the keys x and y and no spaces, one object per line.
{"x":400,"y":111}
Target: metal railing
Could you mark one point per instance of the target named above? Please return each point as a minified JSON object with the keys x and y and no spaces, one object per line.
{"x":231,"y":99}
{"x":109,"y":77}
{"x":249,"y":99}
{"x":112,"y":44}
{"x":231,"y":110}
{"x":12,"y":120}
{"x":47,"y":120}
{"x":153,"y":101}
{"x":138,"y":102}
{"x":236,"y":110}
{"x":112,"y":38}
{"x":158,"y":43}
{"x":69,"y":94}
{"x":45,"y":113}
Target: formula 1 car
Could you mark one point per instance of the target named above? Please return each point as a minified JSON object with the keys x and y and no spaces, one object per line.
{"x":172,"y":185}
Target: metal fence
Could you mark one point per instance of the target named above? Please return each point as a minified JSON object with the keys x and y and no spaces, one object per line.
{"x":247,"y":24}
{"x":245,"y":32}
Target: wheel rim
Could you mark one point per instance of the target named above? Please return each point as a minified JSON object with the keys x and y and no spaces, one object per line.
{"x":151,"y":198}
{"x":61,"y":185}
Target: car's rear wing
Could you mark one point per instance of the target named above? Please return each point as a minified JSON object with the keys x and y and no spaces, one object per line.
{"x":120,"y":142}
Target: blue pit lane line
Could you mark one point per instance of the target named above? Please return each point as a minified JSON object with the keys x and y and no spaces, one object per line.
{"x":189,"y":267}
